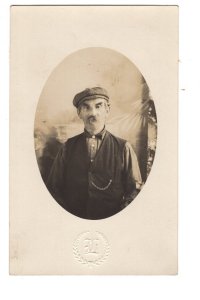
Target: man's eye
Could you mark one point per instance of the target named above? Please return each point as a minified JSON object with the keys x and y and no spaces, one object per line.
{"x":98,"y":105}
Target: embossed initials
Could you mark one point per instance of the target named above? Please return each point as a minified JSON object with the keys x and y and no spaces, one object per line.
{"x":91,"y":246}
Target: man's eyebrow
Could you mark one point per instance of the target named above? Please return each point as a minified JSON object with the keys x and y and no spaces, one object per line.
{"x":85,"y":104}
{"x":101,"y":102}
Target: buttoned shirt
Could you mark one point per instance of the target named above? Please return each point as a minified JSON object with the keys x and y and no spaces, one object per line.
{"x":93,"y":143}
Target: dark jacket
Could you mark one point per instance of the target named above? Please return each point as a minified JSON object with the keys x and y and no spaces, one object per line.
{"x":91,"y":190}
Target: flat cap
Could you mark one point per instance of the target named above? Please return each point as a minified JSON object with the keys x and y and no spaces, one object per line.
{"x":90,"y":93}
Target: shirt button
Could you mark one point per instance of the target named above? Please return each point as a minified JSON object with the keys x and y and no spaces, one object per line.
{"x":91,"y":160}
{"x":93,"y":136}
{"x":92,"y":146}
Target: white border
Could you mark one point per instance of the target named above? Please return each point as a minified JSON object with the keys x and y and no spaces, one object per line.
{"x":186,"y":284}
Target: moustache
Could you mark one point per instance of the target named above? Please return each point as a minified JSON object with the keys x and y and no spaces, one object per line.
{"x":92,"y":119}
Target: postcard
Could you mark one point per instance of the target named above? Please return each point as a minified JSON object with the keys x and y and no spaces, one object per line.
{"x":93,"y":140}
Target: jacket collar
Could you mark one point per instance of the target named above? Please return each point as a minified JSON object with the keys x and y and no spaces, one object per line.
{"x":99,"y":135}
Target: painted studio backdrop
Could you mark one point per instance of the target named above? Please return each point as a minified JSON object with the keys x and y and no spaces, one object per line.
{"x":132,"y":115}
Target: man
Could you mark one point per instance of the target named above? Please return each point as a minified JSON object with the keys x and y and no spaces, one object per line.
{"x":94,"y":173}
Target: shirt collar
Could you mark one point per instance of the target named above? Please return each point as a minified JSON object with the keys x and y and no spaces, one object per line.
{"x":99,"y":135}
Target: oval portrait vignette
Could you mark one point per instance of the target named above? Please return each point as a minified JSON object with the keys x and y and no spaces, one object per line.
{"x":95,"y":133}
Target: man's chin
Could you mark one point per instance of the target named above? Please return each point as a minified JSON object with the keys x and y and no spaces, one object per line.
{"x":94,"y":127}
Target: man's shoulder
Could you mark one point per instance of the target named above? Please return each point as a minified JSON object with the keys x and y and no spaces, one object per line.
{"x":116,"y":138}
{"x":72,"y":140}
{"x":75,"y":137}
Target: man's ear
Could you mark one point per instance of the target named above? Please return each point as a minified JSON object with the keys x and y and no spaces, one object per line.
{"x":78,"y":111}
{"x":107,"y":108}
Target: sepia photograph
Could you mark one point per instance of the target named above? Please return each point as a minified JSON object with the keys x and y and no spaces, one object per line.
{"x":95,"y":133}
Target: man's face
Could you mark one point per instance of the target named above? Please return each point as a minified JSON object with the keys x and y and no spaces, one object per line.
{"x":94,"y":113}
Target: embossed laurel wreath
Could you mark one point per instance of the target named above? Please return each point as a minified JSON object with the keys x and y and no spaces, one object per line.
{"x":83,"y":260}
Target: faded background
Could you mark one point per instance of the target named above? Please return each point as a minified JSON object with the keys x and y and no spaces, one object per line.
{"x":132,"y":115}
